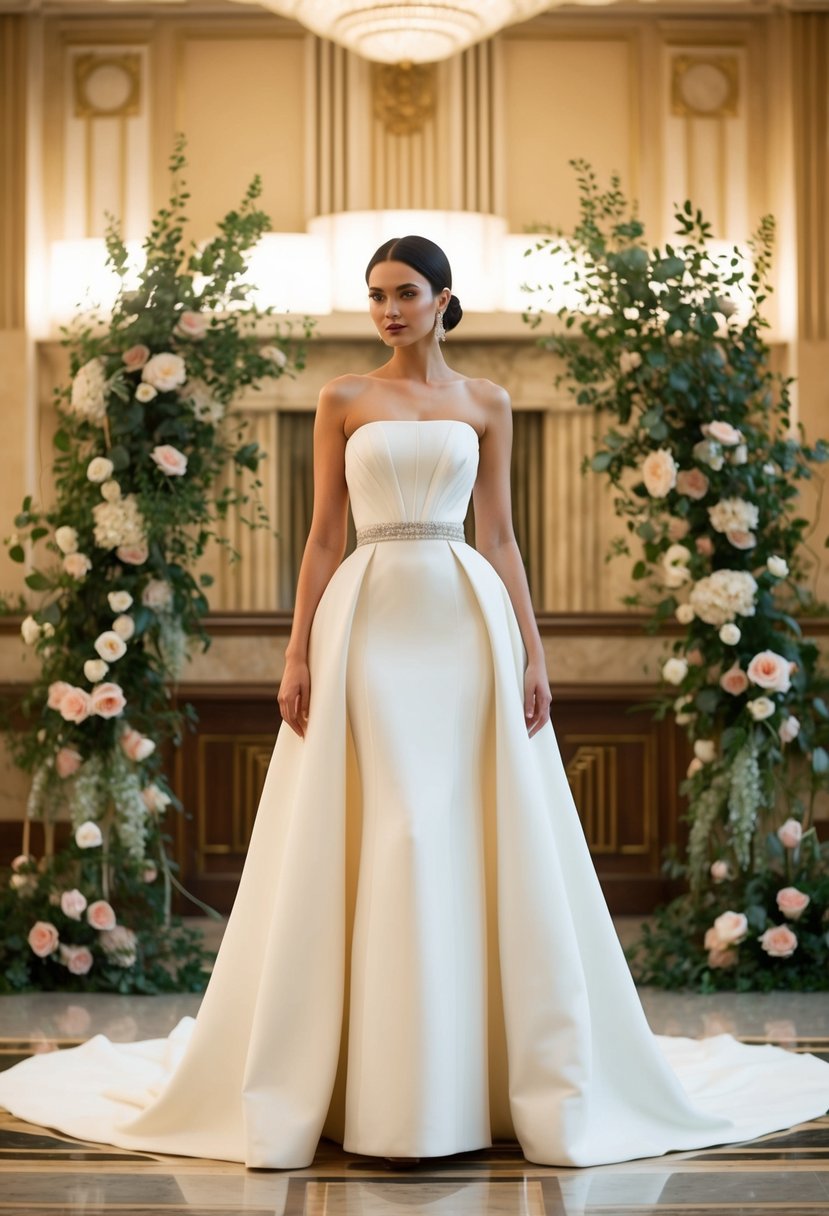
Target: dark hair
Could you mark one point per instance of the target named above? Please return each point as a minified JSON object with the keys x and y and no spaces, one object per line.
{"x":427,"y":259}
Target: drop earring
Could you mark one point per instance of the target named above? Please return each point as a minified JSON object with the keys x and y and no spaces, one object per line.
{"x":440,"y":332}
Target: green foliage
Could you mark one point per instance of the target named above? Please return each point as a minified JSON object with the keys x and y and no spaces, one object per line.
{"x":704,"y":458}
{"x":146,"y":435}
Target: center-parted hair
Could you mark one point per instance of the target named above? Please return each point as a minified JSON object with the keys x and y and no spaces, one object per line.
{"x":427,"y":259}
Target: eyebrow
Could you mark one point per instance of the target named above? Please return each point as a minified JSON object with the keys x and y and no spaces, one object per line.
{"x":399,"y":287}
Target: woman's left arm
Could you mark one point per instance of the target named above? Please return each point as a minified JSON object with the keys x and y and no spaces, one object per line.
{"x":495,"y":540}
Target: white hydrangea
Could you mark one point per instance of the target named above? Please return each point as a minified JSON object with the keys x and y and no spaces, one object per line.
{"x":733,"y":514}
{"x":118,"y":523}
{"x":723,"y":595}
{"x":205,"y":406}
{"x":88,"y":391}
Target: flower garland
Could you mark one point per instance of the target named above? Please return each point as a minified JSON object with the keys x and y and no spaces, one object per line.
{"x":144,"y":434}
{"x":704,"y":459}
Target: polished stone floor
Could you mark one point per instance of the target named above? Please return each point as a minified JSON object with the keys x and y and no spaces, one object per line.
{"x":42,"y":1171}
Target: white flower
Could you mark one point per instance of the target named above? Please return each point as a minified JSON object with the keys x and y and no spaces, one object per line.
{"x":705,"y":750}
{"x":205,"y":406}
{"x":629,"y":360}
{"x":739,"y":455}
{"x":659,"y":472}
{"x":708,"y":452}
{"x":770,"y":670}
{"x":164,"y":372}
{"x":733,"y":515}
{"x":723,"y":595}
{"x":154,"y":798}
{"x":675,"y":566}
{"x":725,"y":305}
{"x":109,"y":646}
{"x":66,"y":539}
{"x":770,"y":468}
{"x":192,"y":325}
{"x":124,"y":626}
{"x":778,"y":566}
{"x":111,"y":491}
{"x":99,"y":469}
{"x":145,"y":393}
{"x":731,"y":927}
{"x":789,"y":729}
{"x":119,"y":601}
{"x":48,"y":629}
{"x":730,"y":634}
{"x":694,"y":767}
{"x":681,"y":710}
{"x":77,"y":565}
{"x":720,"y":871}
{"x":761,"y":708}
{"x":169,"y":459}
{"x":120,"y":945}
{"x":88,"y":835}
{"x":685,"y":614}
{"x":274,"y":355}
{"x":674,"y":670}
{"x":119,"y":523}
{"x":722,"y":432}
{"x":88,"y":388}
{"x":95,"y":670}
{"x":30,"y":630}
{"x":158,"y":595}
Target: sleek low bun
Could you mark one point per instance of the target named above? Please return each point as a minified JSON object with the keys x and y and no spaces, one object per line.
{"x":452,"y":313}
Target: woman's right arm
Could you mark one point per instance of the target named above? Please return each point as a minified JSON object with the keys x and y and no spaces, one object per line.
{"x":323,"y":552}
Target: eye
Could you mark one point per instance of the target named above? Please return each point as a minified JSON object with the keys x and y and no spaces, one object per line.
{"x":409,"y":293}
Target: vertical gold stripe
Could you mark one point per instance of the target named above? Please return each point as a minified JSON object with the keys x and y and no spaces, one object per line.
{"x":13,"y":50}
{"x":88,"y":177}
{"x":123,"y":135}
{"x":722,"y":172}
{"x":810,"y":52}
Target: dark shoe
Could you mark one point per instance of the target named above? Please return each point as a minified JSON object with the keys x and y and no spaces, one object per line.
{"x":402,"y":1163}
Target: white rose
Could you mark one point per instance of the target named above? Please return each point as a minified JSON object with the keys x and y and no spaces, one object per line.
{"x":659,"y":472}
{"x":770,"y":670}
{"x":66,"y":539}
{"x":77,"y":565}
{"x":778,"y":566}
{"x":109,"y":646}
{"x":124,"y":626}
{"x":730,"y":634}
{"x":675,"y":566}
{"x":789,"y":729}
{"x":740,"y":454}
{"x":733,"y":515}
{"x":164,"y":372}
{"x":119,"y":601}
{"x":48,"y":629}
{"x":95,"y":670}
{"x":274,"y":355}
{"x":111,"y":491}
{"x":731,"y":927}
{"x":722,"y":432}
{"x":145,"y":393}
{"x":705,"y":750}
{"x":88,"y":835}
{"x":30,"y":630}
{"x":99,"y":469}
{"x":720,"y":871}
{"x":685,"y":614}
{"x":157,"y":595}
{"x":674,"y":670}
{"x":681,"y":710}
{"x":761,"y":708}
{"x":88,"y":389}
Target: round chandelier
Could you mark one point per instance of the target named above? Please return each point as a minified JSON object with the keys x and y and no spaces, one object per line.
{"x":408,"y":30}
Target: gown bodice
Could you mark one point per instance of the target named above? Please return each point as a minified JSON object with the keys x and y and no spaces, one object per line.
{"x":407,"y":470}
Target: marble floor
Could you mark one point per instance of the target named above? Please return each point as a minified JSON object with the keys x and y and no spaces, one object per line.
{"x":42,"y":1171}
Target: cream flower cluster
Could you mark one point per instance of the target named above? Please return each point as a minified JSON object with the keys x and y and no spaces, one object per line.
{"x":88,"y":396}
{"x":733,"y":515}
{"x":119,"y":523}
{"x":723,"y":595}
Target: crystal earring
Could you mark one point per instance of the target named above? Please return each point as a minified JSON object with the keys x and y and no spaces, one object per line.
{"x":440,"y":332}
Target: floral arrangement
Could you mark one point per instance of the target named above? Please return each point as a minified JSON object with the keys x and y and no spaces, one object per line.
{"x":704,"y":460}
{"x":145,"y":432}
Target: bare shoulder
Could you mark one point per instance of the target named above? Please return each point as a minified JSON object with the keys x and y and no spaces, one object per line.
{"x":494,"y":402}
{"x":342,"y":390}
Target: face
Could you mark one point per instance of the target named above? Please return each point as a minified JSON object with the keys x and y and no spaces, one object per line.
{"x":402,"y":303}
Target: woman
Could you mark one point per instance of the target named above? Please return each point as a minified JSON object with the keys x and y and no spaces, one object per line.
{"x":419,"y":957}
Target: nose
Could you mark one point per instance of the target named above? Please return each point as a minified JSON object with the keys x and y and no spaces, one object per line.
{"x":392,"y":309}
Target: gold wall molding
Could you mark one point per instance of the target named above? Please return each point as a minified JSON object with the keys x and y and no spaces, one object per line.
{"x":13,"y":50}
{"x":705,"y":86}
{"x":107,"y":86}
{"x":810,"y":84}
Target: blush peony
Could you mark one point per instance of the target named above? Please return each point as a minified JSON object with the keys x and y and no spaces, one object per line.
{"x":77,"y":565}
{"x":95,"y":670}
{"x":73,"y":903}
{"x":43,"y":938}
{"x":135,"y":357}
{"x":792,"y":903}
{"x":135,"y":746}
{"x":100,"y":915}
{"x":734,"y":681}
{"x":778,"y":942}
{"x":790,"y":833}
{"x":169,"y":459}
{"x":723,"y":432}
{"x":659,"y":473}
{"x":77,"y":959}
{"x":192,"y":325}
{"x":692,"y":483}
{"x":75,"y":705}
{"x":731,"y":928}
{"x":770,"y":670}
{"x":108,"y":700}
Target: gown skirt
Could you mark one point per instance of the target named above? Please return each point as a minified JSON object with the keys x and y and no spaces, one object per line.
{"x":419,"y":959}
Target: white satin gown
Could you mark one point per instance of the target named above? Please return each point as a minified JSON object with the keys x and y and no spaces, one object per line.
{"x":419,"y":958}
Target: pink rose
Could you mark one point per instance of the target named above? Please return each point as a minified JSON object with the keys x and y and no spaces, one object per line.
{"x":57,"y":692}
{"x":67,"y":762}
{"x":704,"y":546}
{"x":75,"y":705}
{"x":77,"y":959}
{"x":778,"y":942}
{"x":734,"y":681}
{"x":695,"y":657}
{"x":135,"y":357}
{"x":731,"y":928}
{"x":77,"y":565}
{"x":677,"y":528}
{"x":792,"y":903}
{"x":723,"y":432}
{"x":692,"y":482}
{"x":22,"y":862}
{"x":133,"y":555}
{"x":192,"y":325}
{"x":790,"y":833}
{"x":694,"y":767}
{"x":169,"y":459}
{"x":720,"y":871}
{"x":740,"y":539}
{"x":43,"y":938}
{"x":722,"y":956}
{"x":72,"y":903}
{"x":100,"y":915}
{"x":108,"y":700}
{"x":135,"y":746}
{"x":150,"y":872}
{"x":770,"y":670}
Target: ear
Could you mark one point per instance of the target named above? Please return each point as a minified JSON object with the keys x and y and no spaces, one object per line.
{"x":443,"y":298}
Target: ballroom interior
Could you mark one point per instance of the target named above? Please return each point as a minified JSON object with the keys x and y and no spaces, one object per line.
{"x":725,"y":102}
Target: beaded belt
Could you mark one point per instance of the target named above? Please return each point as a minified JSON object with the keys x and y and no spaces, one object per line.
{"x":431,"y":529}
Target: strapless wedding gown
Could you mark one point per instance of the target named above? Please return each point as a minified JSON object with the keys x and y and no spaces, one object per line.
{"x":419,"y":958}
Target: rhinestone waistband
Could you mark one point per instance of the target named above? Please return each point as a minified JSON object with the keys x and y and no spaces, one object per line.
{"x":429,"y":529}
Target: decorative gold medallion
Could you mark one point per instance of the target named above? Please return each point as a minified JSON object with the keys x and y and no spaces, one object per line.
{"x":705,"y":86}
{"x":107,"y":86}
{"x":404,"y":96}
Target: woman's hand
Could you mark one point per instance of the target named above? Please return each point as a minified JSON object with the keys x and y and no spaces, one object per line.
{"x":295,"y":694}
{"x":536,"y":697}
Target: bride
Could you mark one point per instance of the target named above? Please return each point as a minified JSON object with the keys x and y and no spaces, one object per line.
{"x":419,"y":959}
